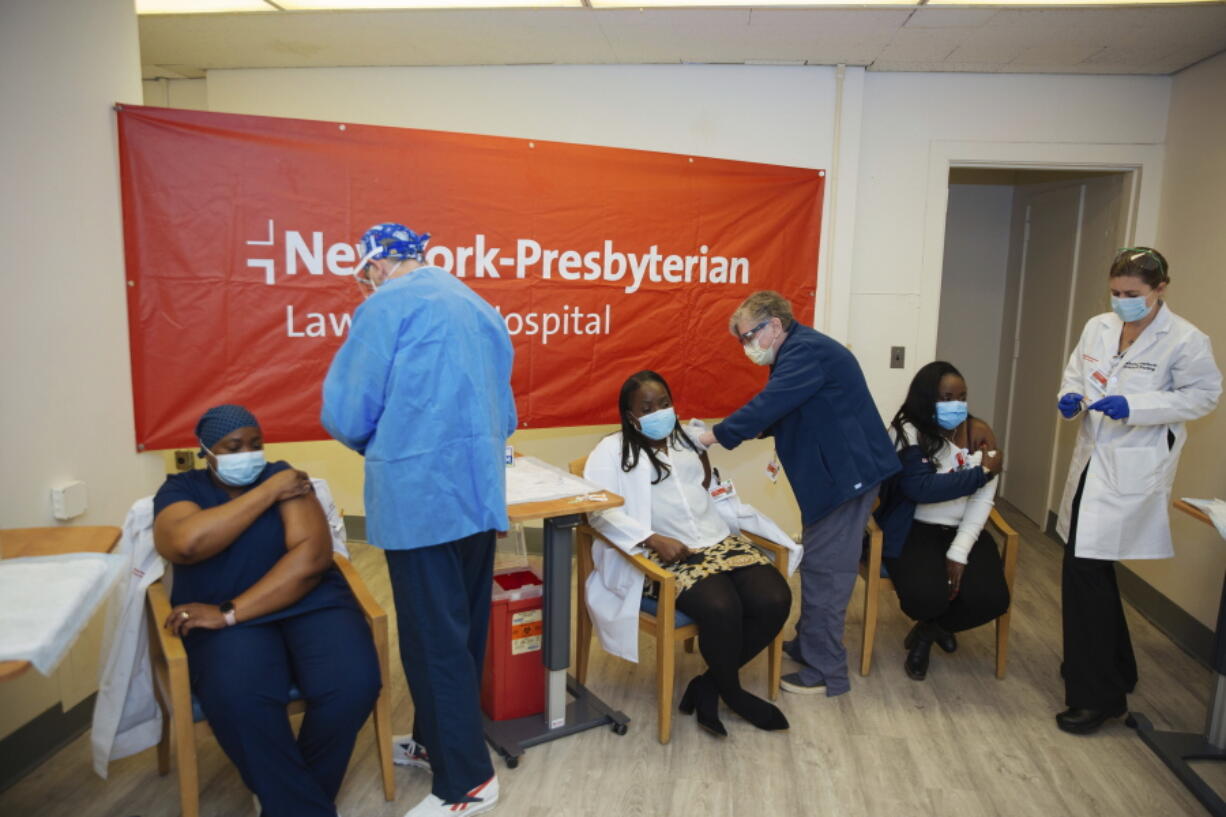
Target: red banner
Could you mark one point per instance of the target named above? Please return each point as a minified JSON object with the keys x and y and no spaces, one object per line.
{"x":240,"y":236}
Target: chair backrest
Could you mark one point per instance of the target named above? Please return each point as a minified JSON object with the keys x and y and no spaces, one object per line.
{"x":583,"y":539}
{"x":577,"y":466}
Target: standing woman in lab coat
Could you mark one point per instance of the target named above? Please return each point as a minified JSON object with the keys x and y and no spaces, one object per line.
{"x":1137,"y":375}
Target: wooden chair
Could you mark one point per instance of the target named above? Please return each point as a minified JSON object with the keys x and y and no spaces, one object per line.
{"x":660,"y":619}
{"x":182,"y":721}
{"x":874,"y":583}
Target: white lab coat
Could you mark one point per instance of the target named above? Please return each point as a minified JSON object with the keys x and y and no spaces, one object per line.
{"x":1168,"y":376}
{"x":127,"y":718}
{"x":615,"y":587}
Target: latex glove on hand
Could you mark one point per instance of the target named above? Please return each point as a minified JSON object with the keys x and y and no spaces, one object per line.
{"x":695,"y":428}
{"x":1070,"y":404}
{"x":1114,"y":406}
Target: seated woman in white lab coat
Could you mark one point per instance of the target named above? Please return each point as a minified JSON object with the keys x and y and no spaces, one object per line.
{"x":724,"y":583}
{"x":945,"y":568}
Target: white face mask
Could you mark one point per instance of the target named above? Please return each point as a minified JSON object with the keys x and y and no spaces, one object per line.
{"x":241,"y":469}
{"x":368,"y":285}
{"x":760,"y":356}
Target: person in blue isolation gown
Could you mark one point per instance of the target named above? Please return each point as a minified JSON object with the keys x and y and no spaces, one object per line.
{"x":422,"y":388}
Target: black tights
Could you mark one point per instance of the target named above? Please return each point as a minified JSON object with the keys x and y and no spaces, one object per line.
{"x":738,"y":614}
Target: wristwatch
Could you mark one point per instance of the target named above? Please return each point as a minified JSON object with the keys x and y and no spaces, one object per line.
{"x":227,"y":612}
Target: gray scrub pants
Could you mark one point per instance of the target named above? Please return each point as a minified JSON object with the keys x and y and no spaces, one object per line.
{"x":828,"y":572}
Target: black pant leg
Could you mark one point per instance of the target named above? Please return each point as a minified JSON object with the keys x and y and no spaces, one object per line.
{"x":983,"y":595}
{"x":1099,"y":667}
{"x":918,"y":573}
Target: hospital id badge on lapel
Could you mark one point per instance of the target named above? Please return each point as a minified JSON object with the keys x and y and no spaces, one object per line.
{"x":1096,"y":384}
{"x":773,"y":468}
{"x":721,"y":491}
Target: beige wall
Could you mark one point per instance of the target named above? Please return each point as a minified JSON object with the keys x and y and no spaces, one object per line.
{"x":66,"y":404}
{"x":1191,"y":236}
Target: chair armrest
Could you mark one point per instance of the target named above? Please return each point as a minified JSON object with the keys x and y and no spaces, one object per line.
{"x":1012,"y":543}
{"x":644,"y":564}
{"x":366,"y":600}
{"x":167,"y":643}
{"x":779,"y":553}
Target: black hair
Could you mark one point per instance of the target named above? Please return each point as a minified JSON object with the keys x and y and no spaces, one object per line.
{"x":920,"y":407}
{"x":634,"y":442}
{"x":1145,"y":263}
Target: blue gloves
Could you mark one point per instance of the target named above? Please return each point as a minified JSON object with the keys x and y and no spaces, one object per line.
{"x":1070,"y":404}
{"x":1114,"y":406}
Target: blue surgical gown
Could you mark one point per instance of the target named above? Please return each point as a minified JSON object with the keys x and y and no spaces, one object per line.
{"x":422,"y":388}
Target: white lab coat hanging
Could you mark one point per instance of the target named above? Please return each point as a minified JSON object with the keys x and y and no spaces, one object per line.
{"x":1168,"y":376}
{"x":615,"y":587}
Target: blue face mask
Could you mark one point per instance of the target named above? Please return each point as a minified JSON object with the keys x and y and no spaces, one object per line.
{"x":1130,"y":309}
{"x":658,"y":424}
{"x":951,"y":414}
{"x":239,"y":470}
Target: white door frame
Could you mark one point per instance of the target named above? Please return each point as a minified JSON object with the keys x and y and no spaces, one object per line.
{"x":1142,"y":224}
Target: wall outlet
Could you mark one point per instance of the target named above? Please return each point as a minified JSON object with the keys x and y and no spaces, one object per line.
{"x":898,"y":356}
{"x":185,"y":460}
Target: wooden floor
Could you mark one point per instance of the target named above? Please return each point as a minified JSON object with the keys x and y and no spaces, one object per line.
{"x":959,"y":743}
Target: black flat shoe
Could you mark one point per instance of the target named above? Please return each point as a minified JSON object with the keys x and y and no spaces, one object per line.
{"x":762,"y":714}
{"x":919,"y":648}
{"x":945,"y":640}
{"x":1085,"y":721}
{"x":700,"y":696}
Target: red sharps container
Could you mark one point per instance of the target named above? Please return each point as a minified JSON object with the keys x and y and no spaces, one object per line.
{"x":513,"y":681}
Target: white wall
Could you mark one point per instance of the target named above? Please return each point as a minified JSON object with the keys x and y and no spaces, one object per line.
{"x":1191,"y":237}
{"x":176,"y":93}
{"x":66,"y":410}
{"x":906,"y":118}
{"x":973,"y":291}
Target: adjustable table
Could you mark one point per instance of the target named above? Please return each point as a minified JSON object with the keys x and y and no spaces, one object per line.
{"x":585,"y":711}
{"x":1177,"y":748}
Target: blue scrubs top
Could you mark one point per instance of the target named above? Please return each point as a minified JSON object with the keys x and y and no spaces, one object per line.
{"x":422,"y":388}
{"x":225,"y":575}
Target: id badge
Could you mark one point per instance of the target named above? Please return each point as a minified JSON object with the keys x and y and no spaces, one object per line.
{"x":773,"y":468}
{"x":1096,"y":383}
{"x":721,"y":491}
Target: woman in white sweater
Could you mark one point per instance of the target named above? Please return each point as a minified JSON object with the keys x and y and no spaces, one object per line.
{"x":724,"y":583}
{"x":945,"y":568}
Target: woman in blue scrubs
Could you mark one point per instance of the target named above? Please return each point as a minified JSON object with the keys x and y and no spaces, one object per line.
{"x":260,"y":610}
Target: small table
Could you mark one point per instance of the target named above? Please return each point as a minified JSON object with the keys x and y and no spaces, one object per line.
{"x":1177,"y":748}
{"x":18,"y":542}
{"x":511,"y":737}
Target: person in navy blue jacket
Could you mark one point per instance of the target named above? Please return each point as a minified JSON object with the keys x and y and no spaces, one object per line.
{"x":832,"y":443}
{"x":944,"y":566}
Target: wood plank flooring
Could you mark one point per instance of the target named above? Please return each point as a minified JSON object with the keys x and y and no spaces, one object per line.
{"x":959,"y":743}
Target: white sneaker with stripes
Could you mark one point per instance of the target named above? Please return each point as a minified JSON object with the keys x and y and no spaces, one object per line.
{"x":483,"y":798}
{"x":408,"y":752}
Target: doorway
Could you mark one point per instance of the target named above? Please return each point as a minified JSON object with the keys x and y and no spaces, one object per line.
{"x":1026,"y":254}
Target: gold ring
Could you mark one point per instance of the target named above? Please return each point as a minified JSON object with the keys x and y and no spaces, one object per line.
{"x":184,"y":614}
